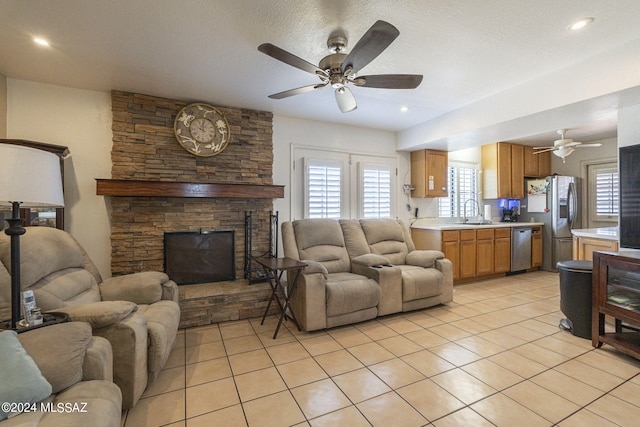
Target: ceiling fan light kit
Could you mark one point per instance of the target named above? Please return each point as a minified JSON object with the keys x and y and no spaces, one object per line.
{"x":339,"y":69}
{"x":563,"y":147}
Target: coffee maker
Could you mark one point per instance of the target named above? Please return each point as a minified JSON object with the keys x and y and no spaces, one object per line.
{"x":509,"y":215}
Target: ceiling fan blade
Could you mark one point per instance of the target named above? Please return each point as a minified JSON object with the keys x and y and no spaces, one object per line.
{"x":390,"y":81}
{"x":297,"y":91}
{"x":544,"y":149}
{"x":373,"y":42}
{"x":571,"y":144}
{"x":345,"y":99}
{"x":289,"y":58}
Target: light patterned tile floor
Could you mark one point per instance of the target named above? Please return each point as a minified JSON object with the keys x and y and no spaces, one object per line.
{"x":494,"y":356}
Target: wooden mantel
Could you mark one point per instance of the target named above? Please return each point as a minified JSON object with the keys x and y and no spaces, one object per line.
{"x":134,"y":188}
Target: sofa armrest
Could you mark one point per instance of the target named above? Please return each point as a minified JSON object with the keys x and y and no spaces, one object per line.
{"x":388,"y":277}
{"x":314,"y":267}
{"x":423,"y":258}
{"x":170,"y":291}
{"x":98,"y":361}
{"x":445,"y":266}
{"x":308,"y":300}
{"x":369,"y":260}
{"x":141,"y":288}
{"x":100,"y":314}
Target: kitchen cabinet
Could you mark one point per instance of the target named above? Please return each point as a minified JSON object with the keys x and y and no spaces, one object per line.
{"x":583,"y":247}
{"x":616,"y":293}
{"x":451,"y":249}
{"x":468,"y":260}
{"x":502,"y":250}
{"x":502,"y":171}
{"x":536,"y":246}
{"x":429,"y":173}
{"x":484,"y":251}
{"x":536,"y":165}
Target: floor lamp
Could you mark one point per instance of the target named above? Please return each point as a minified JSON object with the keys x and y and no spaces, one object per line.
{"x":31,"y":178}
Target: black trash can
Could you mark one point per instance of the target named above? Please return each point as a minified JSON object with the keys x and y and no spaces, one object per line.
{"x":575,"y":296}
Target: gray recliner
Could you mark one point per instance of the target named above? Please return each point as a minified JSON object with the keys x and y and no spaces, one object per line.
{"x":138,"y":313}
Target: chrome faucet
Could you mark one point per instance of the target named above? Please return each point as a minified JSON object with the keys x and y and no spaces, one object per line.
{"x":464,"y":208}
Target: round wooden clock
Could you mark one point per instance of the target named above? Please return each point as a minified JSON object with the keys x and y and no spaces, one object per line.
{"x":202,"y":130}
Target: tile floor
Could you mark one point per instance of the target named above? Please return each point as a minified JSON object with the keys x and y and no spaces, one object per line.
{"x":495,"y":356}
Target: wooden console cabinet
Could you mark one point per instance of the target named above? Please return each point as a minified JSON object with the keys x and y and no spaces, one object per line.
{"x":616,"y":293}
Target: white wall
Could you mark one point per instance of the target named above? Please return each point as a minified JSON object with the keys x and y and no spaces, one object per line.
{"x":80,"y":120}
{"x":3,"y":106}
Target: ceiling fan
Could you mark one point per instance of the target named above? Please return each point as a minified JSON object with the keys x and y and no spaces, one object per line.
{"x":564,"y":146}
{"x":339,"y":69}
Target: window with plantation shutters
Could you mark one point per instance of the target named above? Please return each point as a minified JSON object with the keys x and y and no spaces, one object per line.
{"x":333,"y":183}
{"x":463,"y":185}
{"x":323,"y":185}
{"x":375,"y":187}
{"x":604,"y":192}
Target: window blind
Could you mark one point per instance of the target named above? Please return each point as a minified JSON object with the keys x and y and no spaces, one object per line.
{"x":376,"y":191}
{"x":323,"y":186}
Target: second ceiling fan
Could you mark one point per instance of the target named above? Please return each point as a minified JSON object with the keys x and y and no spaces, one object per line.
{"x":339,"y":69}
{"x":564,"y":146}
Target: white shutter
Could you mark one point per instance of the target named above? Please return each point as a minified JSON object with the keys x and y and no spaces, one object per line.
{"x":323,"y":188}
{"x":375,"y":187}
{"x":463,"y":185}
{"x":604,"y":181}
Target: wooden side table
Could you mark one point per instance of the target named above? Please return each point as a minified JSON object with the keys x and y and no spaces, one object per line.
{"x":274,"y":268}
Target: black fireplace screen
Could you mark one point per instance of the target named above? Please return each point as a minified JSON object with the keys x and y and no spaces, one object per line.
{"x":199,"y":256}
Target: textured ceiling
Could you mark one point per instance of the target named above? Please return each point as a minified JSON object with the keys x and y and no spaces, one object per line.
{"x":470,"y":53}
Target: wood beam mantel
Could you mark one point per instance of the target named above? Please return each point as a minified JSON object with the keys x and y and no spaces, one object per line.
{"x":134,"y":188}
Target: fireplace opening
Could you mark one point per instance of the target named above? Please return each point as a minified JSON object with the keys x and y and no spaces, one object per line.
{"x":199,"y":256}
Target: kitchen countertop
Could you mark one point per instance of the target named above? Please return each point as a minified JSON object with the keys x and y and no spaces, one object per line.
{"x":458,"y":226}
{"x":606,"y":233}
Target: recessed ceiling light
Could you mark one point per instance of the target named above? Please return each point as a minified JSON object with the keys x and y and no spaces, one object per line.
{"x":40,"y":41}
{"x":404,"y":109}
{"x":581,"y":24}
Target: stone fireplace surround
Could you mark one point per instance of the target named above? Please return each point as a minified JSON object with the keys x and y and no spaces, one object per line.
{"x":145,"y":151}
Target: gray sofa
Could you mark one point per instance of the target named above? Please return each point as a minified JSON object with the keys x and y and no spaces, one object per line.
{"x":137,"y":313}
{"x":360,"y":269}
{"x":75,"y":378}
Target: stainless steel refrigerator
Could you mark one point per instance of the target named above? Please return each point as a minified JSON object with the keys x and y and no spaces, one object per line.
{"x":563,"y":215}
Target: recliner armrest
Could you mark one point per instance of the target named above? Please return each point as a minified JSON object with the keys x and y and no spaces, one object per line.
{"x":423,"y":258}
{"x":98,"y":361}
{"x":100,"y":314}
{"x":314,"y":267}
{"x":370,"y":260}
{"x":141,"y":288}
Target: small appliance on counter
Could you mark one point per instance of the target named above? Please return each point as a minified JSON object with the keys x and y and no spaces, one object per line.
{"x":510,"y":210}
{"x":509,"y":215}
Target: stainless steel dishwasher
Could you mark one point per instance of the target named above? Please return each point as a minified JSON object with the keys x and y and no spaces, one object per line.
{"x":520,"y":248}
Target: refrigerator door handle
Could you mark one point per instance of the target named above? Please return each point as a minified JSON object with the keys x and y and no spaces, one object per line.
{"x":572,"y":204}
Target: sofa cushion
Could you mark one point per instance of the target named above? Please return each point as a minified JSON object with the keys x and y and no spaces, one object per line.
{"x":20,"y":378}
{"x":386,"y":237}
{"x":348,"y":292}
{"x":418,"y":282}
{"x":70,"y":286}
{"x":321,"y":240}
{"x":59,"y":351}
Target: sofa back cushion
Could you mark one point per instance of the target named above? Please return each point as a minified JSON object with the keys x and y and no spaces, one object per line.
{"x":321,"y":240}
{"x":54,"y":266}
{"x":386,"y":237}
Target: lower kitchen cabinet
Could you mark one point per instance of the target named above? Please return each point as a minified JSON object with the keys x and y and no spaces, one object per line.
{"x":502,"y":250}
{"x":584,"y":247}
{"x":536,"y":246}
{"x":467,"y":254}
{"x":474,"y":252}
{"x":484,"y":251}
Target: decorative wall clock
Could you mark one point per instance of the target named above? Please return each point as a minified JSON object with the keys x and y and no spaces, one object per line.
{"x":202,"y":130}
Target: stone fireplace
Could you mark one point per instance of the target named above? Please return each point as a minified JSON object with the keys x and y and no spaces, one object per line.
{"x":157,"y":187}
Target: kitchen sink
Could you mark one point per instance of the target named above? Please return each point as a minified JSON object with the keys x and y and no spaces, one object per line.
{"x":475,"y":223}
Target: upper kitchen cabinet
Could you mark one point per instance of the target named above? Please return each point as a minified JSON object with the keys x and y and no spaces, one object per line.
{"x":429,"y":173}
{"x":536,"y":165}
{"x":502,"y":171}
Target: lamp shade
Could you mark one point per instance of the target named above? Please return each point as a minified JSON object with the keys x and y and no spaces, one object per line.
{"x":29,"y":176}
